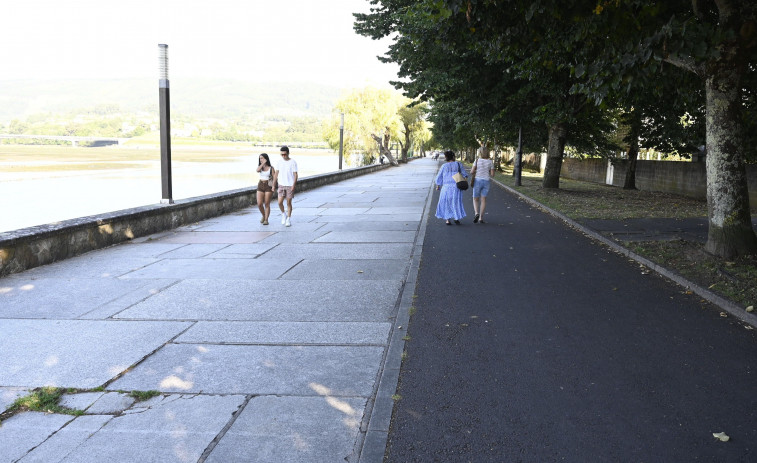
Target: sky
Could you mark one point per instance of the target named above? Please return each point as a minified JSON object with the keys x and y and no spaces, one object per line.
{"x":250,"y":40}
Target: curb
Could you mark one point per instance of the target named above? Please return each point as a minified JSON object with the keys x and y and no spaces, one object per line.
{"x":721,"y":302}
{"x":377,"y":435}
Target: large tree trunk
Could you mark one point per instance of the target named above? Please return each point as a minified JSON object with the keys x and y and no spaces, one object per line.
{"x":405,"y":146}
{"x":633,"y":156}
{"x":557,"y":135}
{"x":633,"y":119}
{"x":730,"y":231}
{"x":383,"y":144}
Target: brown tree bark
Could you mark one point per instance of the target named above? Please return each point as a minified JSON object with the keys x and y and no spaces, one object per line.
{"x":730,"y":232}
{"x":383,"y":143}
{"x":555,"y":150}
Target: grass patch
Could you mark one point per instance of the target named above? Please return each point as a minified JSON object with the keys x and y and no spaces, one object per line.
{"x":44,"y":399}
{"x":141,"y":396}
{"x":733,"y":280}
{"x":585,"y":200}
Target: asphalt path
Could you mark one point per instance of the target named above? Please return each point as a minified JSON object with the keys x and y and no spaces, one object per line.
{"x":530,"y":342}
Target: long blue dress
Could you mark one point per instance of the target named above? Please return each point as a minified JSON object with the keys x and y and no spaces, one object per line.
{"x":450,"y":205}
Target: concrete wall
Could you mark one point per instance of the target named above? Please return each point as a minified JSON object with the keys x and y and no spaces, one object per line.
{"x":534,"y":161}
{"x":587,"y":170}
{"x":34,"y":246}
{"x":678,"y":177}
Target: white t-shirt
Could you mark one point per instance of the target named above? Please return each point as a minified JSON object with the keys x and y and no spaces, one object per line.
{"x":483,"y":167}
{"x":286,"y":171}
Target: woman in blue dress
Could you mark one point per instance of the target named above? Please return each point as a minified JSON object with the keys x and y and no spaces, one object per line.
{"x":450,"y":205}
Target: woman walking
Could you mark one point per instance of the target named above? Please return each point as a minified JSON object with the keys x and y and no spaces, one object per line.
{"x":483,"y":169}
{"x":450,"y":205}
{"x":265,"y":188}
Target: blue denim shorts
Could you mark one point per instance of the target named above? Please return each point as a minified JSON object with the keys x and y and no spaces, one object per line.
{"x":481,"y":188}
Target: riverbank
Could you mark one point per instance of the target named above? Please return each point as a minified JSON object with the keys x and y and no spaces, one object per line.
{"x":42,"y":184}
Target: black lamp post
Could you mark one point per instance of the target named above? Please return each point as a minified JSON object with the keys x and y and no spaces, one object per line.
{"x":165,"y":126}
{"x":341,"y":141}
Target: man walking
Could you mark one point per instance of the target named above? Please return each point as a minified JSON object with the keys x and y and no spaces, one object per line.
{"x":286,"y":179}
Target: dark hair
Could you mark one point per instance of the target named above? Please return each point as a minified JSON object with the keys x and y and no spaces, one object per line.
{"x":285,"y":148}
{"x":265,"y":155}
{"x":449,"y":155}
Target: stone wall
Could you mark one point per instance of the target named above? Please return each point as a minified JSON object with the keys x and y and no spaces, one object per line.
{"x":678,"y":177}
{"x":587,"y":170}
{"x":34,"y":246}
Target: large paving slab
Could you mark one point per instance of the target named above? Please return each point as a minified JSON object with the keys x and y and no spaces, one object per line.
{"x":275,"y":300}
{"x":241,"y":369}
{"x":8,"y":395}
{"x":368,"y":237}
{"x":174,"y":428}
{"x":206,"y":237}
{"x":59,"y":298}
{"x":65,"y":441}
{"x":299,"y":333}
{"x":369,"y":226}
{"x":293,"y":430}
{"x":94,"y":265}
{"x":230,"y":269}
{"x":342,"y":251}
{"x":349,"y":269}
{"x":24,"y":431}
{"x":370,"y":217}
{"x":76,"y":353}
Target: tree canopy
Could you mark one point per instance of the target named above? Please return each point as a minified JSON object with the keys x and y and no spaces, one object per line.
{"x":574,"y":66}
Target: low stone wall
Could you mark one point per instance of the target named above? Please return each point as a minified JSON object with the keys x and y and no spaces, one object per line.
{"x":587,"y":170}
{"x":678,"y":177}
{"x":34,"y":246}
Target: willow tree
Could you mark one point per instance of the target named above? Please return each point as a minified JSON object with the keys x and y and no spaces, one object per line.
{"x":369,"y":113}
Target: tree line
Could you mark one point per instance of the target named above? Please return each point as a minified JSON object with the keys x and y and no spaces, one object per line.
{"x":593,"y":76}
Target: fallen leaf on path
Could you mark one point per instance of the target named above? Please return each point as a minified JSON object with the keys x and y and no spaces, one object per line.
{"x":721,"y":436}
{"x":750,"y":308}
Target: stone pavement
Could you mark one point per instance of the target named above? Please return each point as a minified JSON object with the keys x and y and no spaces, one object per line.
{"x":266,"y":343}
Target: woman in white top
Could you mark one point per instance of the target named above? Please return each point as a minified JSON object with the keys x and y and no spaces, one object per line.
{"x":265,"y":188}
{"x":483,"y":168}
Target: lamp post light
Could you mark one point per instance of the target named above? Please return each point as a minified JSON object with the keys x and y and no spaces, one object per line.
{"x":165,"y":126}
{"x":518,"y":159}
{"x":341,"y":142}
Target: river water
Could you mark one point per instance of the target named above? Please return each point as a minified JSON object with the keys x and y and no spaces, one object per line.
{"x":36,"y":198}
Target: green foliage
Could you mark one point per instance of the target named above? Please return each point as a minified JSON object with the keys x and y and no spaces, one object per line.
{"x":367,"y":111}
{"x":43,"y":399}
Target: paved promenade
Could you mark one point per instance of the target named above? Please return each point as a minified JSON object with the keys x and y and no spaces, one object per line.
{"x":267,"y":343}
{"x":530,"y":342}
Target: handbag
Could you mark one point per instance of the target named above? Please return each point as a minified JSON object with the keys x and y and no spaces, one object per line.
{"x":473,"y":174}
{"x":270,"y":179}
{"x":459,"y":179}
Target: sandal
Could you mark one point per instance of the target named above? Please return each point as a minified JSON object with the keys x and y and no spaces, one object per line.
{"x":447,"y":222}
{"x":475,"y":219}
{"x":457,"y":222}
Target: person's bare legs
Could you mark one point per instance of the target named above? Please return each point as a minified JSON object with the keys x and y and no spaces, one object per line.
{"x":268,"y":195}
{"x":475,"y":210}
{"x":482,"y":209}
{"x":261,"y":205}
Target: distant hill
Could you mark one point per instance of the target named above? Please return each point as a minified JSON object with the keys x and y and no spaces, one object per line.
{"x":191,"y":97}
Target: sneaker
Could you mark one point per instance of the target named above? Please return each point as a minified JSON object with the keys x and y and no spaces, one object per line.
{"x":262,"y":219}
{"x":265,"y":222}
{"x":475,"y":219}
{"x":287,"y":222}
{"x":284,"y":219}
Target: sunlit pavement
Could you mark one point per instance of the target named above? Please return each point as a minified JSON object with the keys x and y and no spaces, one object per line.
{"x":266,"y":343}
